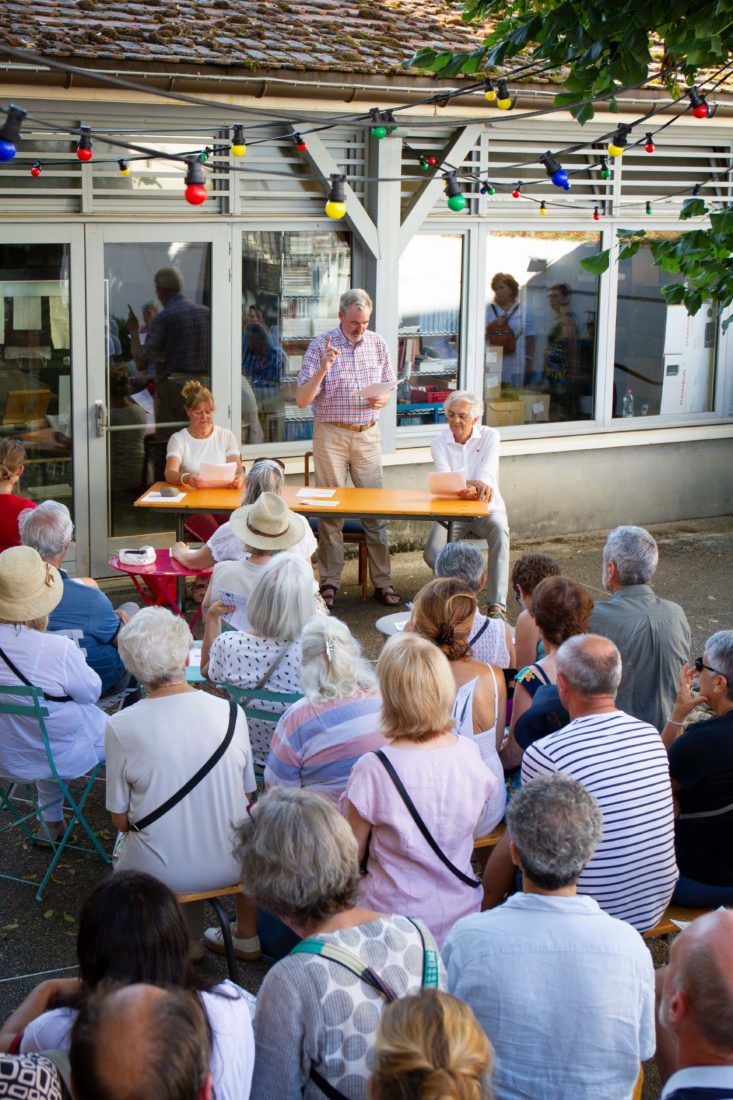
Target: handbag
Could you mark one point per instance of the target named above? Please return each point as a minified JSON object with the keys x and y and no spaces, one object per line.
{"x":24,"y":680}
{"x":154,"y":815}
{"x":474,"y":882}
{"x":500,"y":334}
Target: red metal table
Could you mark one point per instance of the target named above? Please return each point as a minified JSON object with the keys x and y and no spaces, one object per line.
{"x":160,"y":579}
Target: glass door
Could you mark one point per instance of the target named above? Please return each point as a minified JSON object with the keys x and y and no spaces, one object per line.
{"x":158,"y":306}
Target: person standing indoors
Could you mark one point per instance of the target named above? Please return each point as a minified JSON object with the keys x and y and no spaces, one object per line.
{"x":346,"y":435}
{"x":509,"y":325}
{"x":12,"y":457}
{"x":468,"y":445}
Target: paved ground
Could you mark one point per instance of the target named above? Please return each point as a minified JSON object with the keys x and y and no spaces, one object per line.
{"x":695,"y":570}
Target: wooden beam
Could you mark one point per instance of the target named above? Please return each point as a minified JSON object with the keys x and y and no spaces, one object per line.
{"x":356,"y":215}
{"x":424,"y":200}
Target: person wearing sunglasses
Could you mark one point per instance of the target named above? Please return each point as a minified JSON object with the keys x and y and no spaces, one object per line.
{"x":701,"y":768}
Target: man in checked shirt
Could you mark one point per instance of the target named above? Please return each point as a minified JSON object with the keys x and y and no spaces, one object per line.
{"x":346,"y":435}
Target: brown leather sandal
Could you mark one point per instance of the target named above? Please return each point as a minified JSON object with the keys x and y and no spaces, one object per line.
{"x":387,"y":596}
{"x":328,"y":594}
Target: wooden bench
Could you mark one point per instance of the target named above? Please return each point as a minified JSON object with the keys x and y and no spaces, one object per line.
{"x":212,"y":896}
{"x":491,"y":839}
{"x":665,"y":926}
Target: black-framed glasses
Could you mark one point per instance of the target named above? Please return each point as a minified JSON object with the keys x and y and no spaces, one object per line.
{"x":700,"y":665}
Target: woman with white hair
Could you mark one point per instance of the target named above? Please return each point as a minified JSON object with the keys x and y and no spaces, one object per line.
{"x":268,"y":655}
{"x":156,"y":746}
{"x":319,"y":739}
{"x":467,"y":445}
{"x":29,"y":591}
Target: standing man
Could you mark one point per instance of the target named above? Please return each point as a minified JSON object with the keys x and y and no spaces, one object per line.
{"x":652,"y":634}
{"x":346,"y":435}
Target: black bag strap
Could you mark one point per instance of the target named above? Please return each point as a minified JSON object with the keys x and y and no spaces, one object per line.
{"x":475,"y":882}
{"x":138,"y":826}
{"x":24,"y":680}
{"x":480,"y":631}
{"x":325,"y":1086}
{"x":268,"y":673}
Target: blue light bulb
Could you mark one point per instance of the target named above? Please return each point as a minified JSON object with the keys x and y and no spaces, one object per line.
{"x":7,"y":150}
{"x":560,"y":179}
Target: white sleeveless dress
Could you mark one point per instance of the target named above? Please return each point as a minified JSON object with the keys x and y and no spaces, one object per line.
{"x":485,"y":741}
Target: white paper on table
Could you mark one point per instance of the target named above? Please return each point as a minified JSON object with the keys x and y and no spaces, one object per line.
{"x":155,"y":494}
{"x":238,"y":618}
{"x":306,"y":491}
{"x":194,"y":655}
{"x":322,"y":503}
{"x":378,"y":389}
{"x":447,"y":484}
{"x":221,"y":473}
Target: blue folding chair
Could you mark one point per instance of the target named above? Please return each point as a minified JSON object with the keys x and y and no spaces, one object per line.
{"x":13,"y":702}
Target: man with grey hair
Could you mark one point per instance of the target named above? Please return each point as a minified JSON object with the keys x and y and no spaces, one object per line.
{"x":652,"y":634}
{"x":623,"y":762}
{"x":468,"y":446}
{"x":337,"y":367}
{"x":83,"y":609}
{"x":490,"y":639}
{"x":565,"y":1018}
{"x":695,"y":1012}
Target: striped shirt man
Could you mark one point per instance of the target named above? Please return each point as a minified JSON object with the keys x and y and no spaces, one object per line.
{"x":623,"y":762}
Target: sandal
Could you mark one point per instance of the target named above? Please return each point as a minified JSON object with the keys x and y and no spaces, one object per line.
{"x":387,"y":596}
{"x":328,"y":594}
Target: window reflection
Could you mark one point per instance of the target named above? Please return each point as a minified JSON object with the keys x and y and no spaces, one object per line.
{"x":541,"y":307}
{"x":664,"y":359}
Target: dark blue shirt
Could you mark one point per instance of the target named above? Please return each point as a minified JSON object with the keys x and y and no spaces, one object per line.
{"x":87,"y":609}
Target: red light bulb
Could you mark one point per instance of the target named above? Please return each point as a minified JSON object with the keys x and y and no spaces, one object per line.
{"x":650,"y":146}
{"x":36,"y":170}
{"x":301,"y":146}
{"x":195,"y":193}
{"x":516,"y":193}
{"x":432,"y":161}
{"x":596,"y":215}
{"x":701,"y":111}
{"x":84,"y":154}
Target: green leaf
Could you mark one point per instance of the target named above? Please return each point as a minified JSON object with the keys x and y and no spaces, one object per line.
{"x":623,"y":233}
{"x":48,"y":914}
{"x":597,"y":264}
{"x":693,"y":208}
{"x":583,"y":114}
{"x":629,"y":250}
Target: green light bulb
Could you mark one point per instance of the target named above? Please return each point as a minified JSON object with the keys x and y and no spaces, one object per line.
{"x":457,"y":203}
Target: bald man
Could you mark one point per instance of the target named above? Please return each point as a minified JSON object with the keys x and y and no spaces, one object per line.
{"x":139,"y":1043}
{"x":695,"y":1012}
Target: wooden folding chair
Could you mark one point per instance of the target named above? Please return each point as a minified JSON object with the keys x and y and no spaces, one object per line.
{"x":35,"y":710}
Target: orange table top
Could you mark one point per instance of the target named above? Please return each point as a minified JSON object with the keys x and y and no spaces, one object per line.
{"x":384,"y":503}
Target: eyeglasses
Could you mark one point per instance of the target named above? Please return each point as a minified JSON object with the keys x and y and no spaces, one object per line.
{"x":700,"y":665}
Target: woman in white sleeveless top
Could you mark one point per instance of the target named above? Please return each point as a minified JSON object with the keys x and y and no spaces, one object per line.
{"x":444,"y":613}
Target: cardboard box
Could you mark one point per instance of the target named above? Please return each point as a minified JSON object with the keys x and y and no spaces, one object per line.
{"x":500,"y":414}
{"x":536,"y":407}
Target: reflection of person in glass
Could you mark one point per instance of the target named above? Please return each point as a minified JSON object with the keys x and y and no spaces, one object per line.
{"x":508,"y":313}
{"x":178,"y":344}
{"x":127,"y":447}
{"x":561,"y":355}
{"x":263,"y":365}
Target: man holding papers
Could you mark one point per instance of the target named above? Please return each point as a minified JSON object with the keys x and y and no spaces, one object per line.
{"x":468,"y":448}
{"x":347,"y":377}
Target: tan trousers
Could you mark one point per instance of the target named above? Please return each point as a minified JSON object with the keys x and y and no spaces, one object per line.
{"x":337,"y":453}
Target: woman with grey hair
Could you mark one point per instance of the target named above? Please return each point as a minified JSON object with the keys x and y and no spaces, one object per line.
{"x":268,"y":655}
{"x":701,"y":769}
{"x":472,"y":448}
{"x":156,"y":746}
{"x":319,"y":739}
{"x":316,"y":1021}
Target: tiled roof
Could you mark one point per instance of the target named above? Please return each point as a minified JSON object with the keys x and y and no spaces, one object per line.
{"x":364,"y":36}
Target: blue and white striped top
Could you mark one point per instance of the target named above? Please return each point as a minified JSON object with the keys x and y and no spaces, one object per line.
{"x":623,"y":762}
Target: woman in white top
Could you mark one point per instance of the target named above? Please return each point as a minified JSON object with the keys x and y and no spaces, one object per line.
{"x":443,"y":613}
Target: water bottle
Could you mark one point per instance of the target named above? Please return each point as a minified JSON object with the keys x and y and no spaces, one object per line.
{"x":627,"y":408}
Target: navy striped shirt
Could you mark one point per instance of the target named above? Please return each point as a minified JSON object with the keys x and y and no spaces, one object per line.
{"x":623,"y":762}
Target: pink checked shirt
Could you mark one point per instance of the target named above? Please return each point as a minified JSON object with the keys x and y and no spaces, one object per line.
{"x":356,"y":368}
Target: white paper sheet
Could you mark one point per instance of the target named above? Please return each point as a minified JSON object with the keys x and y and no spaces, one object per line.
{"x":156,"y":495}
{"x":378,"y":389}
{"x":194,"y":655}
{"x":238,"y":618}
{"x":219,"y":473}
{"x":311,"y":494}
{"x":322,"y":503}
{"x":447,"y":485}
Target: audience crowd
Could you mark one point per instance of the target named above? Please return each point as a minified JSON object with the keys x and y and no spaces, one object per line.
{"x":348,"y":806}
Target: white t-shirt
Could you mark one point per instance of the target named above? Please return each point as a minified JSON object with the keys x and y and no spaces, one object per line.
{"x":217,"y":448}
{"x":234,"y":576}
{"x":233,"y":1048}
{"x":153,"y":748}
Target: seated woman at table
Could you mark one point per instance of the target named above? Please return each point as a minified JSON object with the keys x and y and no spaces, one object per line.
{"x":12,"y":457}
{"x":154,"y":747}
{"x":319,"y":738}
{"x":561,"y":608}
{"x":443,"y":613}
{"x":268,"y":655}
{"x":444,"y":776}
{"x":267,"y":475}
{"x":202,"y":441}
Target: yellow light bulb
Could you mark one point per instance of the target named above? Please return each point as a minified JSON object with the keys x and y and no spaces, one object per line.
{"x":504,"y":104}
{"x":491,"y":95}
{"x":335,"y":210}
{"x":239,"y":150}
{"x":543,"y":209}
{"x":615,"y":150}
{"x":124,"y":171}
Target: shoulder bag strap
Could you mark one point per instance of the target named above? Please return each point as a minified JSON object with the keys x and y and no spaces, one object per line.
{"x":325,"y":1086}
{"x":24,"y":680}
{"x":480,"y":631}
{"x":431,"y":955}
{"x":475,"y":882}
{"x":348,"y":959}
{"x":264,"y":678}
{"x":138,"y":826}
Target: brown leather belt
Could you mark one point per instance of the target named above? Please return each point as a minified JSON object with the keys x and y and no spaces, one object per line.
{"x":349,"y":427}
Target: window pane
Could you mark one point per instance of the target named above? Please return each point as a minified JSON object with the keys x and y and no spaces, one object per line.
{"x":35,"y":371}
{"x":291,"y":285}
{"x":430,"y":323}
{"x":541,"y":309}
{"x":664,"y":359}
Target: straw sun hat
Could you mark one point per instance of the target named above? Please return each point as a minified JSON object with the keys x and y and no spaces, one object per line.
{"x":29,"y":587}
{"x":268,"y":524}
